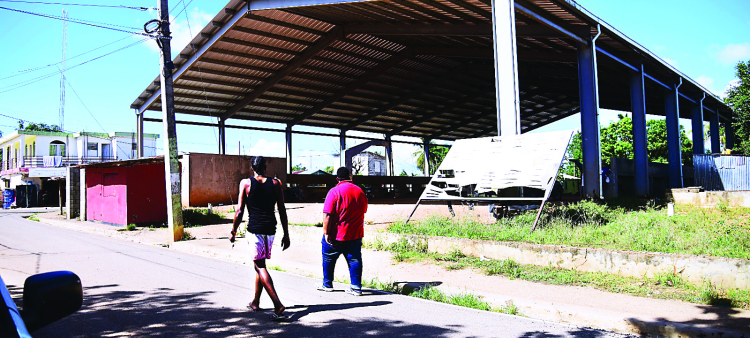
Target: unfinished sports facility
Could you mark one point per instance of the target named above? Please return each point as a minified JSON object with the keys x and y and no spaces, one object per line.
{"x":436,"y":70}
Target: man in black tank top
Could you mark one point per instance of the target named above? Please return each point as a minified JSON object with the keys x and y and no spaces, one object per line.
{"x":260,"y":195}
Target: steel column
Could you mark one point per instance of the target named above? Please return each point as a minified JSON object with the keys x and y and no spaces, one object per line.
{"x":729,"y":134}
{"x":342,"y":148}
{"x":288,"y":136}
{"x":139,"y":134}
{"x":426,"y":149}
{"x":697,"y":124}
{"x":640,"y":139}
{"x":506,"y":67}
{"x":589,"y":98}
{"x":389,"y":155}
{"x":222,"y":136}
{"x":674,"y":144}
{"x":715,"y":133}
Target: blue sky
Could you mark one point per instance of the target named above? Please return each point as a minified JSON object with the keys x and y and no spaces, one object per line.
{"x":703,"y":39}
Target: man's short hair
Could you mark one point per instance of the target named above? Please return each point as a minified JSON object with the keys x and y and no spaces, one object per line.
{"x":343,"y":174}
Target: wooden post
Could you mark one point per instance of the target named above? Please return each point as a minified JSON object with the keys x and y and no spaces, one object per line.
{"x":171,"y":164}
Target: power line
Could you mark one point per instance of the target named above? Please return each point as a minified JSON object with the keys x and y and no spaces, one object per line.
{"x":43,"y":77}
{"x":83,"y":5}
{"x":21,"y":72}
{"x":82,"y":22}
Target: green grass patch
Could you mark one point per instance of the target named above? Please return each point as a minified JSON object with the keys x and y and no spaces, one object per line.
{"x":34,"y":217}
{"x":430,"y":292}
{"x":318,"y":225}
{"x":272,"y":267}
{"x":720,"y":231}
{"x":131,"y":227}
{"x":201,"y":217}
{"x":662,"y":286}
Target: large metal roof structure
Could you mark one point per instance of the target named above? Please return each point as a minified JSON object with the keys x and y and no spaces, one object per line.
{"x":421,"y":68}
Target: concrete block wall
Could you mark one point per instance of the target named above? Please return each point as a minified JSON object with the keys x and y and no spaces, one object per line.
{"x":724,"y":272}
{"x":215,"y":179}
{"x":73,"y":191}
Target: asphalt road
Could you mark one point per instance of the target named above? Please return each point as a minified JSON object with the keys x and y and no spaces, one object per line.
{"x":144,"y":291}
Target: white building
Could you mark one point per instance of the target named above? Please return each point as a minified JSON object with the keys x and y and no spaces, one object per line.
{"x":45,"y":154}
{"x":369,"y":164}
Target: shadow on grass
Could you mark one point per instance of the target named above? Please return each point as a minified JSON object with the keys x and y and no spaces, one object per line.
{"x":726,"y":323}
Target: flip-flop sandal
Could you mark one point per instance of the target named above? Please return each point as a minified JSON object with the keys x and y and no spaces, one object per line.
{"x":277,"y":318}
{"x":255,"y":309}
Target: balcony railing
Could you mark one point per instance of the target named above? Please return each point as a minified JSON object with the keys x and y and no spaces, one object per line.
{"x":38,"y":161}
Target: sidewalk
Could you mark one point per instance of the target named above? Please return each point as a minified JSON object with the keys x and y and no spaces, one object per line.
{"x":576,"y":305}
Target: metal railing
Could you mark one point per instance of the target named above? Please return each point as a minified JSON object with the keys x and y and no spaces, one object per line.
{"x":38,"y":161}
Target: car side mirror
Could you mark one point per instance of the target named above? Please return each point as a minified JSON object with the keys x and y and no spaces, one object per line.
{"x":48,"y":297}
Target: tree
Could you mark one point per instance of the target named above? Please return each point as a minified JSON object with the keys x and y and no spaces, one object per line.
{"x":329,"y":169}
{"x":738,"y":98}
{"x":403,"y":173}
{"x":437,"y":154}
{"x":617,"y":141}
{"x":38,"y":127}
{"x":298,"y":167}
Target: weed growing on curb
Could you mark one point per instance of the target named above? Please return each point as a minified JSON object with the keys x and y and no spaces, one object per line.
{"x":34,"y":217}
{"x":131,"y":227}
{"x":276,"y":268}
{"x":186,"y":236}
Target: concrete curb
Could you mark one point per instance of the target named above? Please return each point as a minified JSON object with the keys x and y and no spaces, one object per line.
{"x":568,"y":313}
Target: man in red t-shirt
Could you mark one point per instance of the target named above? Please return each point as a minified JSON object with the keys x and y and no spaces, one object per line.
{"x":343,"y":229}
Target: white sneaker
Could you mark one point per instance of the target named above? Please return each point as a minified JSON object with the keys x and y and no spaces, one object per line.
{"x":354,"y":292}
{"x":322,"y":287}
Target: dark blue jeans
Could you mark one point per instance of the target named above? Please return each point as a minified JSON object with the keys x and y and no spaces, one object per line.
{"x":352,"y":251}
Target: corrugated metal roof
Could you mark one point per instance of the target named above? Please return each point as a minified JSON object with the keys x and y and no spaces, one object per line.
{"x":408,"y":67}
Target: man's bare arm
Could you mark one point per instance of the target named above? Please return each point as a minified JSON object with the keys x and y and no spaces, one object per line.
{"x":240,"y":212}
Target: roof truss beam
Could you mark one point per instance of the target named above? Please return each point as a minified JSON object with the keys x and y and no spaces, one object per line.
{"x":319,"y":45}
{"x":404,"y":98}
{"x":393,"y":61}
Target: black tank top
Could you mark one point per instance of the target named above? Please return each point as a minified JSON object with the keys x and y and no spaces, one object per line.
{"x":261,"y":202}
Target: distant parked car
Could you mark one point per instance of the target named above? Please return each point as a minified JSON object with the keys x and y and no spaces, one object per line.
{"x":47,"y":297}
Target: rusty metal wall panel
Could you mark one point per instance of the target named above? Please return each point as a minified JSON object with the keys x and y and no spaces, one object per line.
{"x":722,"y":172}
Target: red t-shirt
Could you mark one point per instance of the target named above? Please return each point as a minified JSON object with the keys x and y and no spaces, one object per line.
{"x":349,"y":202}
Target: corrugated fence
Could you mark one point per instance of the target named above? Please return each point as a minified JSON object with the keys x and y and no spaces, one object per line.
{"x":722,"y":172}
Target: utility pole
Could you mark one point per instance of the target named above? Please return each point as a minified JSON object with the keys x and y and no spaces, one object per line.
{"x":64,"y":58}
{"x":171,"y":165}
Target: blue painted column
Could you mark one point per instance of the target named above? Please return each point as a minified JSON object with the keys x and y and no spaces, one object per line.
{"x":729,"y":134}
{"x":715,"y":132}
{"x":506,"y":67}
{"x":697,"y":125}
{"x":674,"y":157}
{"x":288,"y":136}
{"x":640,"y":139}
{"x":588,"y":88}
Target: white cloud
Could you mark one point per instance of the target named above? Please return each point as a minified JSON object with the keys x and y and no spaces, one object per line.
{"x":671,"y":62}
{"x":181,"y":30}
{"x":707,"y":82}
{"x":732,"y":53}
{"x":733,"y":83}
{"x":267,"y":148}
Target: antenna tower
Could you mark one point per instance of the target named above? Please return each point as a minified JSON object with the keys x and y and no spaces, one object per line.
{"x":62,"y":70}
